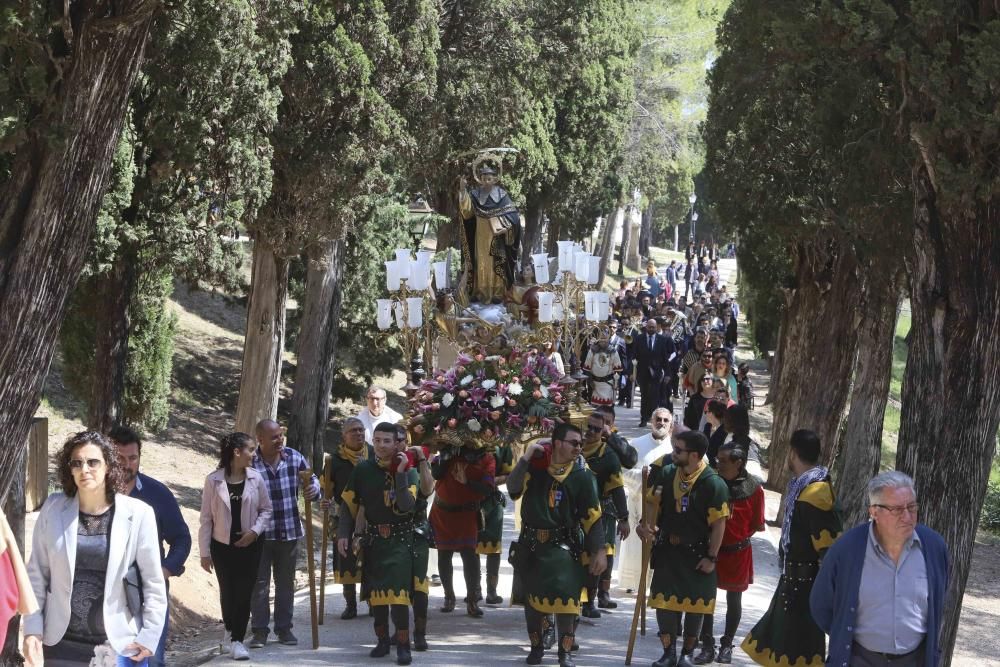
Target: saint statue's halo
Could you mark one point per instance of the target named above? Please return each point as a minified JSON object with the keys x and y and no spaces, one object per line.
{"x":487,"y":159}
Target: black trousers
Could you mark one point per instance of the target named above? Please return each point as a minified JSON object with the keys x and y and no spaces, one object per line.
{"x":653,"y":396}
{"x":236,"y":570}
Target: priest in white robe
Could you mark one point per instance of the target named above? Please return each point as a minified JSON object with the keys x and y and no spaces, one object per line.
{"x":651,"y":447}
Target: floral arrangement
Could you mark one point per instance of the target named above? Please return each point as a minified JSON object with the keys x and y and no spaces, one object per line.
{"x":490,"y":397}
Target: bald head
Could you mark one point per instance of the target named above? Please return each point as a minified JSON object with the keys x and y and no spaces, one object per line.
{"x":270,"y":437}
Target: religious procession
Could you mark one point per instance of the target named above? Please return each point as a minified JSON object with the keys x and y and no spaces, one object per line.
{"x":589,"y":333}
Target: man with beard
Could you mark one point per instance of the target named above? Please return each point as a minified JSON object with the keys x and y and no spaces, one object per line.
{"x":352,"y":450}
{"x":651,"y":448}
{"x":170,"y":526}
{"x":787,"y":633}
{"x":376,"y":412}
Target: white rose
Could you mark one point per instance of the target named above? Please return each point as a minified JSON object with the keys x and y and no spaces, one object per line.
{"x":489,"y":384}
{"x":544,"y":390}
{"x":497,"y":401}
{"x":474,"y":425}
{"x":447,"y":400}
{"x":515,"y":389}
{"x":466,"y":380}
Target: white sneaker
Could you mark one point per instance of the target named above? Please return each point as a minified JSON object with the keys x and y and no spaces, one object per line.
{"x":240,"y":651}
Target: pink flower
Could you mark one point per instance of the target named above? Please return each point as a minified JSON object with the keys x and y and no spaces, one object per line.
{"x":479,"y":357}
{"x":536,"y":394}
{"x":463,"y":394}
{"x":435,"y":407}
{"x":557,"y":398}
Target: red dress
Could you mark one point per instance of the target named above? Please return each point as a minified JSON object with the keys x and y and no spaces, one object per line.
{"x":735,"y":565}
{"x":454,"y":515}
{"x":9,"y":596}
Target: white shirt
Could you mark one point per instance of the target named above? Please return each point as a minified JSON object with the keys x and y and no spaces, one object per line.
{"x":371,"y":421}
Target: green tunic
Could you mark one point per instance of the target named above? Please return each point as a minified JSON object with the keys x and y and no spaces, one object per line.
{"x":421,"y":544}
{"x":685,"y":524}
{"x":555,"y":517}
{"x":490,"y":539}
{"x":786,"y":633}
{"x":388,"y":552}
{"x":607,"y":469}
{"x":346,"y":569}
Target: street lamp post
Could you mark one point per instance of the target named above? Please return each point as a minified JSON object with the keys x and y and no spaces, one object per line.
{"x":694,"y":216}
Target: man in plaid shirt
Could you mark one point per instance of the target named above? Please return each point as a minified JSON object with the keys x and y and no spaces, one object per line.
{"x":280,"y":466}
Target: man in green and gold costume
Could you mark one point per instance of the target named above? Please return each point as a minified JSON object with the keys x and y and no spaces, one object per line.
{"x":353,"y":450}
{"x":561,"y":537}
{"x":693,"y":505}
{"x":386,"y":487}
{"x":607,"y":468}
{"x":491,"y":535}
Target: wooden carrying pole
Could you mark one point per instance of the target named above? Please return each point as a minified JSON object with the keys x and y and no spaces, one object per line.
{"x":325,"y":485}
{"x":647,"y":549}
{"x":306,"y":476}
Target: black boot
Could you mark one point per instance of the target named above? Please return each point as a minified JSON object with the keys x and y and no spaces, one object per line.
{"x":725,"y":656}
{"x":472,"y":608}
{"x":566,"y":651}
{"x":403,"y":656}
{"x":589,"y":611}
{"x":604,"y":600}
{"x":351,"y":598}
{"x":449,"y":600}
{"x":669,"y":657}
{"x":537,"y":650}
{"x":706,"y":655}
{"x":687,"y":651}
{"x":549,"y":634}
{"x":419,"y":633}
{"x":382,"y":647}
{"x":491,"y":590}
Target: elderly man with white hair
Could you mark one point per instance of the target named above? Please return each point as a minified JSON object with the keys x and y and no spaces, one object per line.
{"x":651,"y":448}
{"x":376,"y":412}
{"x":881,"y":589}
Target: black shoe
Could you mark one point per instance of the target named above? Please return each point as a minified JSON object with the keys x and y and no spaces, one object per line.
{"x":472,"y":608}
{"x":669,"y":657}
{"x":259,"y":639}
{"x":566,"y":651}
{"x":707,"y":653}
{"x":449,"y":604}
{"x":382,"y":647}
{"x":349,"y":613}
{"x":420,"y":634}
{"x":685,"y":660}
{"x":287,"y":638}
{"x":535,"y":655}
{"x":588,"y":611}
{"x":604,"y":601}
{"x":642,"y":424}
{"x":403,"y":655}
{"x":725,"y":656}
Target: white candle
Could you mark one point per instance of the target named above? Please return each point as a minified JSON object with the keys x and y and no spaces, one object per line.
{"x":392,"y":275}
{"x":557,"y":310}
{"x":594,"y":270}
{"x":420,"y":277}
{"x":581,"y":266}
{"x":424,"y":257}
{"x":565,"y":255}
{"x":383,"y":312}
{"x":541,"y":264}
{"x":414,"y":306}
{"x":545,"y":306}
{"x":400,"y":315}
{"x":441,"y":275}
{"x":589,"y":307}
{"x":603,"y":306}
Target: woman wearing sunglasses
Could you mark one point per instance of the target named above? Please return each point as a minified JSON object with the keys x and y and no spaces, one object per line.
{"x":94,"y":566}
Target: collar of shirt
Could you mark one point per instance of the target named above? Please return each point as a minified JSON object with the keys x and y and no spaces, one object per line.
{"x":282,"y":457}
{"x":138,"y":482}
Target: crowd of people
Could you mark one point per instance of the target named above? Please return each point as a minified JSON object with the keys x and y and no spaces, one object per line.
{"x":689,"y":496}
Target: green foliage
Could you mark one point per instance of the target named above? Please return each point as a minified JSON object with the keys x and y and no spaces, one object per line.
{"x":989,"y":518}
{"x":151,"y":348}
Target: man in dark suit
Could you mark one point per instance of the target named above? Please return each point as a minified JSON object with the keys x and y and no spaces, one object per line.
{"x":652,"y":354}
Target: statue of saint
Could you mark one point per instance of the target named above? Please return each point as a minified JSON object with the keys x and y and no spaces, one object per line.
{"x":492,"y":239}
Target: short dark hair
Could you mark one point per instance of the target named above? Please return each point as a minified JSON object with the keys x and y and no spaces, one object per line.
{"x":717,"y":408}
{"x":123,"y":435}
{"x":606,"y":410}
{"x":806,"y":444}
{"x":562,"y":430}
{"x":114,"y":479}
{"x":694,"y":441}
{"x":735,"y":451}
{"x":737,"y":420}
{"x":228,"y":445}
{"x":385,"y":427}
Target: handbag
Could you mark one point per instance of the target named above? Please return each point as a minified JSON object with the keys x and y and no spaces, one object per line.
{"x":133,"y":590}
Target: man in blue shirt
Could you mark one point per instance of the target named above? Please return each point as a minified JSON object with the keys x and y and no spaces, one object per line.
{"x":170,"y":524}
{"x":880,"y":591}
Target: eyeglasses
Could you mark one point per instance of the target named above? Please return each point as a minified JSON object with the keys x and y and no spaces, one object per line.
{"x":707,"y":379}
{"x":897,"y":510}
{"x":93,"y":464}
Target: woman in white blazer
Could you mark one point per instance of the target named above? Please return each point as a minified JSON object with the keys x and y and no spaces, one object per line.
{"x":94,"y":566}
{"x":235,"y":511}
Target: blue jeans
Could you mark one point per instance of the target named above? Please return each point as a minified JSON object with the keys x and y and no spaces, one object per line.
{"x":157,"y":660}
{"x":127,"y":662}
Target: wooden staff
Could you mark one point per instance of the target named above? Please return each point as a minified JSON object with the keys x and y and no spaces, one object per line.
{"x":647,"y":549}
{"x":306,"y":477}
{"x":325,"y":485}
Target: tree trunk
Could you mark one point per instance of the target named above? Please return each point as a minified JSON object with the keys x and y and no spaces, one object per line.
{"x":551,"y":248}
{"x":531,"y":239}
{"x":265,"y":339}
{"x":317,"y":349}
{"x":49,"y":206}
{"x":860,"y":451}
{"x":816,"y":351}
{"x":626,"y":233}
{"x":445,"y":204}
{"x":951,"y":388}
{"x":608,"y":241}
{"x":115,"y":289}
{"x":646,"y":234}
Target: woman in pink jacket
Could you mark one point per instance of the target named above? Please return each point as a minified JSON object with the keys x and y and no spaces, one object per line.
{"x":235,"y":511}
